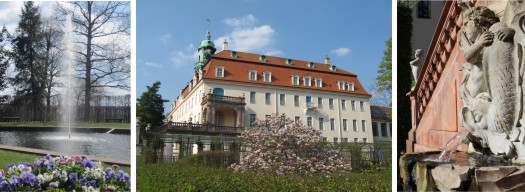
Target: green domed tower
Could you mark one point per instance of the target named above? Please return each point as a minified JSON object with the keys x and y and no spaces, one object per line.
{"x":206,"y":49}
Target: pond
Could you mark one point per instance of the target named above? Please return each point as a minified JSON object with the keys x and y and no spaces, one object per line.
{"x":115,"y":146}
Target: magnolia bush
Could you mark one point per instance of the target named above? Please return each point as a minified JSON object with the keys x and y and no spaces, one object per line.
{"x":278,"y":144}
{"x":63,"y":174}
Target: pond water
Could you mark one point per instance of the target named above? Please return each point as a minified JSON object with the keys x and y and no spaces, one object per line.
{"x":115,"y":146}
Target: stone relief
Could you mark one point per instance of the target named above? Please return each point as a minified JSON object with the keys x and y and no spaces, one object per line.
{"x":492,"y":88}
{"x":416,"y":64}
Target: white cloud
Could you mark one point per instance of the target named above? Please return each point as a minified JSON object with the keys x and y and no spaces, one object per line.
{"x":165,"y":38}
{"x":10,"y":12}
{"x":151,"y":64}
{"x":241,"y":21}
{"x":341,"y":51}
{"x":249,"y":38}
{"x":183,"y":58}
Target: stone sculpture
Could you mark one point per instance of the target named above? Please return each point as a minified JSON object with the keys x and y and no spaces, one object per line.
{"x":492,"y":88}
{"x":416,"y":64}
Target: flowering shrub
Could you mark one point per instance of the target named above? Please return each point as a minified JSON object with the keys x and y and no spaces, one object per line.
{"x":63,"y":174}
{"x":280,"y":145}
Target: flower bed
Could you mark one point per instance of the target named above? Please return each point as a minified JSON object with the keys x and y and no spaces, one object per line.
{"x":63,"y":173}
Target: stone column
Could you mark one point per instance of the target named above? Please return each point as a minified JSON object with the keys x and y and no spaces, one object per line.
{"x":412,"y":133}
{"x":237,"y":117}
{"x":212,"y":116}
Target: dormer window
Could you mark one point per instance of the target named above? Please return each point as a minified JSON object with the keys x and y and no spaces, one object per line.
{"x":351,"y":86}
{"x":295,"y":79}
{"x":253,"y":75}
{"x":262,"y":58}
{"x":319,"y":82}
{"x":267,"y":76}
{"x":332,"y":68}
{"x":310,"y":65}
{"x":219,"y":71}
{"x":307,"y":82}
{"x":288,"y":61}
{"x":233,"y":54}
{"x":341,"y":85}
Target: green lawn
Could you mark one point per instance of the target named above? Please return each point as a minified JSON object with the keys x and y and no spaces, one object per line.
{"x":183,"y":176}
{"x":78,"y":125}
{"x":8,"y":157}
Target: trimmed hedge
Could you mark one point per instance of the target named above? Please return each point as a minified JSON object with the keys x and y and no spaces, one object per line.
{"x":185,"y":175}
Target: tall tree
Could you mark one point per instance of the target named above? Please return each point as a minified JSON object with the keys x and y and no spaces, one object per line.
{"x":150,"y":108}
{"x":384,"y":80}
{"x":404,"y":50}
{"x":27,"y":54}
{"x":52,"y":37}
{"x":4,"y":59}
{"x":103,"y":50}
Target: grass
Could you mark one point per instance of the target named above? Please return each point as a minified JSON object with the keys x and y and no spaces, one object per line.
{"x":77,"y":125}
{"x":8,"y":157}
{"x":184,"y":176}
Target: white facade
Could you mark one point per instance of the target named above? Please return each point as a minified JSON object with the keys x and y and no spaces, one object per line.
{"x":190,"y":107}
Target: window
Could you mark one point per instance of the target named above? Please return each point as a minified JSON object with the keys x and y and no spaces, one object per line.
{"x":219,"y":71}
{"x":354,"y":124}
{"x":319,"y":82}
{"x":336,"y":140}
{"x":383,"y":130}
{"x":268,"y":98}
{"x":282,"y":99}
{"x":332,"y":124}
{"x":296,"y":100}
{"x":267,"y":76}
{"x":253,"y":75}
{"x":331,"y":103}
{"x":365,"y":140}
{"x":362,"y":105}
{"x":309,"y":121}
{"x":320,"y":102}
{"x":375,"y":131}
{"x":307,"y":81}
{"x":350,"y":86}
{"x":344,"y":140}
{"x":321,"y":124}
{"x":423,"y":9}
{"x":252,"y":96}
{"x":324,"y":139}
{"x":252,"y":119}
{"x":295,"y":80}
{"x":345,"y":125}
{"x":353,"y":105}
{"x":219,"y":118}
{"x":297,"y":119}
{"x":343,"y":104}
{"x":390,"y":128}
{"x":363,"y":125}
{"x":341,"y":85}
{"x":355,"y":140}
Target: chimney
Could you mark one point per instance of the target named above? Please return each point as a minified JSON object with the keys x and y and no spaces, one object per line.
{"x":224,"y":45}
{"x":327,"y":60}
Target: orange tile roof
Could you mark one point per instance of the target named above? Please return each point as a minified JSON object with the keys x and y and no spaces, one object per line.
{"x":237,"y":70}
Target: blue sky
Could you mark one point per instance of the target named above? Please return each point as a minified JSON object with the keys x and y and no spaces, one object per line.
{"x":352,"y":33}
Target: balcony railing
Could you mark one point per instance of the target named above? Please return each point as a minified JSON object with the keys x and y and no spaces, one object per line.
{"x":198,"y":128}
{"x":219,"y":98}
{"x":311,"y":106}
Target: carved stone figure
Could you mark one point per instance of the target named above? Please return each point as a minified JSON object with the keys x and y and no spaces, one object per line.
{"x":492,"y":87}
{"x":416,"y":64}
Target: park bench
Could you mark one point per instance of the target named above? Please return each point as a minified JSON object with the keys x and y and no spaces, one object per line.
{"x":11,"y":119}
{"x":114,"y":120}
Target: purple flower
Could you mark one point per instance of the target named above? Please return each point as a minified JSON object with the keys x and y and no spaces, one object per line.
{"x":88,"y":163}
{"x":29,"y":178}
{"x":83,"y":181}
{"x":93,"y":183}
{"x":48,"y":157}
{"x":123,"y":176}
{"x":73,"y":177}
{"x":10,"y":165}
{"x":110,"y":174}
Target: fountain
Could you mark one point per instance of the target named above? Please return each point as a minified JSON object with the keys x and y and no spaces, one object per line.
{"x":491,"y":47}
{"x":66,"y":139}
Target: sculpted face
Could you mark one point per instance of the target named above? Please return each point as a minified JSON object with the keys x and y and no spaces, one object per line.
{"x":473,"y":30}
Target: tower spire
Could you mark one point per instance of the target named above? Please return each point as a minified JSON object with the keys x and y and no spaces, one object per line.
{"x":206,"y":49}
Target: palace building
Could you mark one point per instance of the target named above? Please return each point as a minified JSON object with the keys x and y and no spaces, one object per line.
{"x":232,"y":89}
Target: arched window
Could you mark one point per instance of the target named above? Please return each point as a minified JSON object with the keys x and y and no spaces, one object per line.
{"x":218,"y":91}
